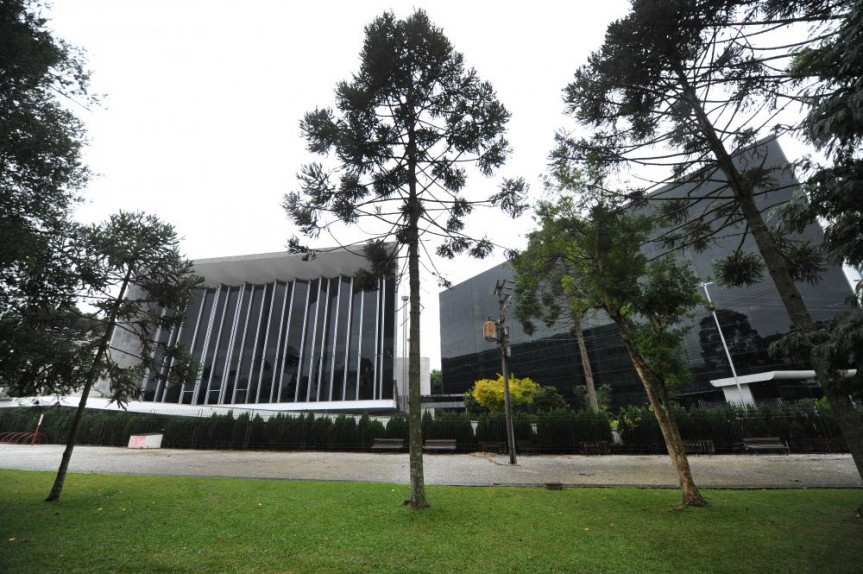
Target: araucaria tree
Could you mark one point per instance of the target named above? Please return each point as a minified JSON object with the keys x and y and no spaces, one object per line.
{"x":606,"y":271}
{"x":407,"y":126}
{"x":682,"y":90}
{"x":135,"y":276}
{"x":42,"y":79}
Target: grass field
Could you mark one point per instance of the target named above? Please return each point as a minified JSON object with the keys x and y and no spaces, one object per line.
{"x":150,"y":524}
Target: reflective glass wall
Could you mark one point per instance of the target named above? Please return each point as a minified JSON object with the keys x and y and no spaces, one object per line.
{"x":750,"y":318}
{"x":297,"y":341}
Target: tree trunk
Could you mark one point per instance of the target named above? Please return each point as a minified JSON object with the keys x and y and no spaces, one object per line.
{"x":847,"y":419}
{"x":92,"y":375}
{"x":668,"y":425}
{"x":585,"y":363}
{"x":415,"y":429}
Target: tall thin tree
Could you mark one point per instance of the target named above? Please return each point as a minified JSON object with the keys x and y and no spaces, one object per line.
{"x":682,"y":90}
{"x":409,"y":123}
{"x":139,"y":282}
{"x":599,"y":266}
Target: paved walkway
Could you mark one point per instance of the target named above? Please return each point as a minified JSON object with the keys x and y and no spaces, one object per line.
{"x":717,"y":471}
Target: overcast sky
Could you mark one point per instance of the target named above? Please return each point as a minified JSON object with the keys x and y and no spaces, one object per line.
{"x":199,"y":123}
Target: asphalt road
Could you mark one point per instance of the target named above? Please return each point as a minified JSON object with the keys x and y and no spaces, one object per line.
{"x":715,"y":471}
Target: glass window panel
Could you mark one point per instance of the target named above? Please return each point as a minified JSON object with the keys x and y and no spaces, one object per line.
{"x":248,"y":345}
{"x":222,"y":340}
{"x":210,"y":340}
{"x":259,"y":343}
{"x":354,"y":345}
{"x":199,"y":336}
{"x":172,"y":391}
{"x":242,"y":318}
{"x":271,"y":342}
{"x":320,"y":328}
{"x":368,"y":346}
{"x":327,"y":340}
{"x":293,"y":341}
{"x":389,"y":327}
{"x":342,"y":337}
{"x":307,"y":344}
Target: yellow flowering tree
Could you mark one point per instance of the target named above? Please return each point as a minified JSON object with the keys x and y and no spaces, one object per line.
{"x":489,"y":392}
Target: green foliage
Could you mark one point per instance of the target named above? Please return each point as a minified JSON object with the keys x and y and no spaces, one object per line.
{"x":397,"y":427}
{"x":41,"y":172}
{"x":603,"y":397}
{"x":436,"y":381}
{"x":489,"y":394}
{"x":134,"y":269}
{"x":562,"y":430}
{"x":804,"y":429}
{"x":41,"y":169}
{"x":547,"y":399}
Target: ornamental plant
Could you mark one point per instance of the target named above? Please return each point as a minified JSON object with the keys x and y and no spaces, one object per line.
{"x":489,"y":392}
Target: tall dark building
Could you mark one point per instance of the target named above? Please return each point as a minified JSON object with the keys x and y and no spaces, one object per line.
{"x":751,"y":318}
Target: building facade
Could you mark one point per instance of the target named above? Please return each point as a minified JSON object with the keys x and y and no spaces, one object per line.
{"x":750,"y":317}
{"x":280,"y":332}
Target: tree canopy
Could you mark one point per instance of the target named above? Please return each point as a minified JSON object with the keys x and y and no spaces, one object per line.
{"x":409,"y":124}
{"x":42,"y":78}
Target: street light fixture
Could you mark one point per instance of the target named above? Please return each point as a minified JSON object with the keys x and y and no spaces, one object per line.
{"x":724,"y":344}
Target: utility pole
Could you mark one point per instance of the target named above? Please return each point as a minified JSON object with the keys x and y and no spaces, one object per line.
{"x":499,"y":332}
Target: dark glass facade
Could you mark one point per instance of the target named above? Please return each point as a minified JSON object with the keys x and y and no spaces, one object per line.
{"x":751,"y":318}
{"x":285,"y":341}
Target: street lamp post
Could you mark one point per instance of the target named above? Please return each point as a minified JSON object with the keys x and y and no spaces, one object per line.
{"x":724,"y":344}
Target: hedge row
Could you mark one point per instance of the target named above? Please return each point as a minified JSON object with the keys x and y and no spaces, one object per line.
{"x":805,"y":430}
{"x":556,"y":432}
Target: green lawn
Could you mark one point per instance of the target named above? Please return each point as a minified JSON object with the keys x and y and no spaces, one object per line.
{"x":140,"y":524}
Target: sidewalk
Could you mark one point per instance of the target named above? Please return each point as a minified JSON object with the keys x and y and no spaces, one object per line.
{"x":717,"y":471}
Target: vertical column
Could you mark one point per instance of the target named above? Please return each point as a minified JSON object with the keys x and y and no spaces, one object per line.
{"x":277,"y":365}
{"x":238,"y":371}
{"x":335,"y":338}
{"x":231,"y":341}
{"x":347,"y":340}
{"x":293,"y":287}
{"x":266,"y":340}
{"x":301,"y":360}
{"x":204,"y":348}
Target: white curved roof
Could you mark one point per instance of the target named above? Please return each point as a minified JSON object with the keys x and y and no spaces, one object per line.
{"x":284,"y":266}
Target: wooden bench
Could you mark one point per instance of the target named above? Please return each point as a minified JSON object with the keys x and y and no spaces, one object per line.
{"x":699,"y":447}
{"x":765,"y":443}
{"x":593,"y":447}
{"x":439,"y":445}
{"x":494,"y":447}
{"x":388,"y":444}
{"x":526,"y":447}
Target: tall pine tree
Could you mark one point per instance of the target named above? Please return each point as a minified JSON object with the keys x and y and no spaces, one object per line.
{"x":407,"y":126}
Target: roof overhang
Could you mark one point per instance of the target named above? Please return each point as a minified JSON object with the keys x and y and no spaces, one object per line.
{"x":771,"y":376}
{"x":282,"y":266}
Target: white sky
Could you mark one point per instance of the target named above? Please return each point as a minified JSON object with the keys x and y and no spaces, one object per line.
{"x":200,"y":120}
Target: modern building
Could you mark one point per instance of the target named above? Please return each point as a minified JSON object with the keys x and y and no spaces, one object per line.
{"x":280,"y":331}
{"x":751,"y":318}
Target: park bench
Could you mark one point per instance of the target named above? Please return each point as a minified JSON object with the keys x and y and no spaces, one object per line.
{"x":765,"y":443}
{"x":526,"y":447}
{"x":388,"y":444}
{"x":593,"y":447}
{"x":699,"y":447}
{"x":439,"y":445}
